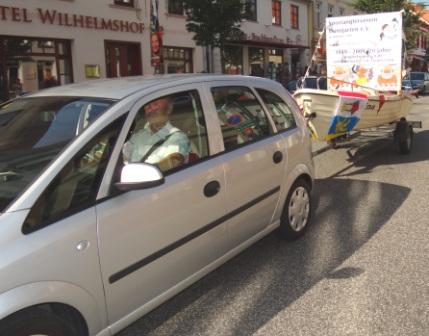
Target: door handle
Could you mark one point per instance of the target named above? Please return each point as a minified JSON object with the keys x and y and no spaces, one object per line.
{"x":277,"y":157}
{"x":211,"y":188}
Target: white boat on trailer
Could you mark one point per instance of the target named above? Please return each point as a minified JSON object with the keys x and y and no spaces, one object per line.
{"x":364,"y":81}
{"x":318,"y":107}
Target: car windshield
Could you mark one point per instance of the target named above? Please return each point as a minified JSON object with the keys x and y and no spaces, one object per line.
{"x":33,"y":131}
{"x":417,"y":76}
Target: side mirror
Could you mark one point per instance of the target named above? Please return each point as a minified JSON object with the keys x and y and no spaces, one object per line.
{"x":135,"y":176}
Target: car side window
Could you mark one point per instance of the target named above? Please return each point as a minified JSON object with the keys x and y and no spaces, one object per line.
{"x":240,"y":114}
{"x":280,"y":112}
{"x":75,"y":187}
{"x":169,"y":132}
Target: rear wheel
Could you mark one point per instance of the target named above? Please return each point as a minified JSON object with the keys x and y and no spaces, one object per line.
{"x":404,"y":136}
{"x":36,"y":322}
{"x":296,"y":212}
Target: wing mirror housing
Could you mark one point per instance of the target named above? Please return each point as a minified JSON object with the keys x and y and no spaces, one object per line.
{"x":136,"y":176}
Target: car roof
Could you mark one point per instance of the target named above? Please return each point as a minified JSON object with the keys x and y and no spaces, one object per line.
{"x":119,"y":88}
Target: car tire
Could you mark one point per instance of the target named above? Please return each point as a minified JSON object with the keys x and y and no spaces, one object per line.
{"x":297,"y":211}
{"x":37,"y":321}
{"x":403,"y":135}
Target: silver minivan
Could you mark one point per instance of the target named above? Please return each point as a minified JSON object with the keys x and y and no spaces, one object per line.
{"x":91,"y":240}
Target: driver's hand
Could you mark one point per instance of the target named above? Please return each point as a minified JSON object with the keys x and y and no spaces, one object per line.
{"x":171,"y":161}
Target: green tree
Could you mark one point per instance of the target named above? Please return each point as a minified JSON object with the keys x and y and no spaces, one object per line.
{"x":410,"y":18}
{"x":214,"y":23}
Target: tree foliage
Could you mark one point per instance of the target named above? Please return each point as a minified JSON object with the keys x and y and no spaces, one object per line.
{"x":410,"y":18}
{"x":214,"y":22}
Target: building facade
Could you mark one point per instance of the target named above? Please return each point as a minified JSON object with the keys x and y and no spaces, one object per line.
{"x":417,"y":58}
{"x":46,"y":43}
{"x":276,"y":41}
{"x":55,"y":42}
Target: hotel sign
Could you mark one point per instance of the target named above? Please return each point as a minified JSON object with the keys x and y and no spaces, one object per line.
{"x":54,"y":17}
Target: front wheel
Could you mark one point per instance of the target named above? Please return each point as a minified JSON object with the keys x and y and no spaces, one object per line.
{"x":36,"y":322}
{"x":296,"y":212}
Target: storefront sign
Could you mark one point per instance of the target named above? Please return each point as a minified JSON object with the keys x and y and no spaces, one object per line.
{"x":364,"y":51}
{"x":92,"y":70}
{"x":54,"y":17}
{"x":264,"y":38}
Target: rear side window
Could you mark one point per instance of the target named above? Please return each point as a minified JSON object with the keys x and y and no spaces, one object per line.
{"x":76,"y":186}
{"x":280,"y":112}
{"x":241,"y":116}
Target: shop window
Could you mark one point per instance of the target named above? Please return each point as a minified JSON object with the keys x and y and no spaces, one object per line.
{"x":241,"y":116}
{"x":233,"y":60}
{"x":45,"y":44}
{"x":256,"y":61}
{"x":31,"y":64}
{"x":128,"y":3}
{"x":277,"y":12}
{"x":275,"y":64}
{"x":294,"y":17}
{"x":249,"y":10}
{"x":177,"y":60}
{"x":175,"y":7}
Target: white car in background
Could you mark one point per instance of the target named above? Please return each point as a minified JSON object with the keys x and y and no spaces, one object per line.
{"x":89,"y":243}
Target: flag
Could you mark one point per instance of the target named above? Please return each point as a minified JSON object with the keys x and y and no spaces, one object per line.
{"x":347,"y":113}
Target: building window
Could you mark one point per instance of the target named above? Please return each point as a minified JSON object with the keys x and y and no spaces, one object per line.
{"x":330,"y":10}
{"x":341,"y":11}
{"x":129,"y":3}
{"x":177,"y":60}
{"x":175,"y":7}
{"x":318,"y":14}
{"x":277,"y":12}
{"x":249,"y":10}
{"x":294,"y":17}
{"x":123,"y":59}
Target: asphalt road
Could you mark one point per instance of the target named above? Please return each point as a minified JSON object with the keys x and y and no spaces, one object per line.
{"x":362,"y":268}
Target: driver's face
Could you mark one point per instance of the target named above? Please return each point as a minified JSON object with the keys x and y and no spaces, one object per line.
{"x":157,"y":111}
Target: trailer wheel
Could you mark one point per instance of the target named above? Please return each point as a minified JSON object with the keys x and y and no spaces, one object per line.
{"x":403,"y":136}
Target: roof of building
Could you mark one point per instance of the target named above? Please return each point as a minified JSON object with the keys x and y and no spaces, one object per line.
{"x":120,"y":88}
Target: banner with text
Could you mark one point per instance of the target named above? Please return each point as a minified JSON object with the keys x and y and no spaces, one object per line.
{"x":364,"y":52}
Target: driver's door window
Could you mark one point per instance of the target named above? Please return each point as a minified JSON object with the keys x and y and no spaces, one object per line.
{"x":168,"y":132}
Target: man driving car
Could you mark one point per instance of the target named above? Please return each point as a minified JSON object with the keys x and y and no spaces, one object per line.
{"x":158,"y":142}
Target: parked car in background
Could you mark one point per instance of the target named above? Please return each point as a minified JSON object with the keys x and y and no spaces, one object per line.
{"x":310,"y":82}
{"x":91,"y":241}
{"x":418,"y":80}
{"x":414,"y":88}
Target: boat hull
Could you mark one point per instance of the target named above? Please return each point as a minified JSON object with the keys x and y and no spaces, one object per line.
{"x":321,"y":105}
